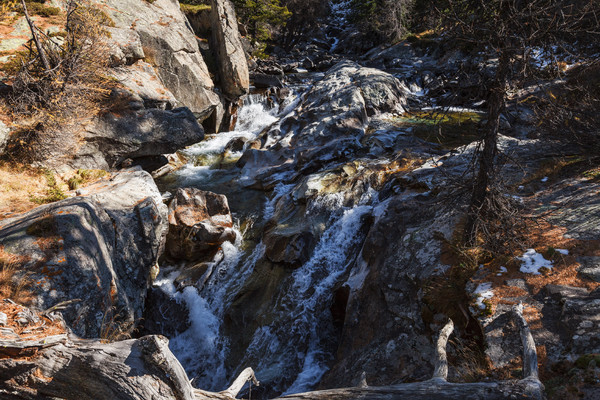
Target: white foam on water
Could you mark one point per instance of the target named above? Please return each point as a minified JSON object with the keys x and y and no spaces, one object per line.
{"x":312,"y":283}
{"x":255,"y":115}
{"x":201,"y":349}
{"x":279,"y":191}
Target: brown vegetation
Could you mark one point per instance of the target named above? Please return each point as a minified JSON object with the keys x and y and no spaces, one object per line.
{"x":44,"y":328}
{"x":61,"y":80}
{"x":13,"y":284}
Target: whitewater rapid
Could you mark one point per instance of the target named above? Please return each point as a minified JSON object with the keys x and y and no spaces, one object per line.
{"x":296,"y":338}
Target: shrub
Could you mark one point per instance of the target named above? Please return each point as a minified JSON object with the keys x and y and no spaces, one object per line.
{"x":53,"y":193}
{"x":61,"y":80}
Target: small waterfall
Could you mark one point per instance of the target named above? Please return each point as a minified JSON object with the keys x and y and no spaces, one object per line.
{"x":294,"y":349}
{"x":297,"y":338}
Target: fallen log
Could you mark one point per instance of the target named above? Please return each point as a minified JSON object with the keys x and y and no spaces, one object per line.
{"x":429,"y":390}
{"x":437,"y":388}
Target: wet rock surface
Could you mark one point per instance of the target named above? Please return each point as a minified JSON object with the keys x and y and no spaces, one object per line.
{"x":97,"y":248}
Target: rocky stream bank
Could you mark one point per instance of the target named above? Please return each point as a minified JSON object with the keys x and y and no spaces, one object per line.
{"x":310,"y":239}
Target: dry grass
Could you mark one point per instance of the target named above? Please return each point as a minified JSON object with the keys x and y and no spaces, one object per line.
{"x":13,"y":285}
{"x":18,"y":187}
{"x":113,"y":330}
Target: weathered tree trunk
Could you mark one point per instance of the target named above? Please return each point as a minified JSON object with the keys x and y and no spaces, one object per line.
{"x":247,"y":375}
{"x":429,"y":390}
{"x":530,"y":363}
{"x":36,"y":39}
{"x":486,"y":173}
{"x":129,"y":370}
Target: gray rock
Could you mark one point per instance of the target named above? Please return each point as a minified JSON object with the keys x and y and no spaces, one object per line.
{"x":170,"y":45}
{"x":125,"y":46}
{"x":113,"y":138}
{"x":98,"y":247}
{"x":331,"y":120}
{"x":576,"y":206}
{"x":384,"y":333}
{"x":580,"y":317}
{"x":231,"y":59}
{"x":199,"y":222}
{"x":266,"y":81}
{"x":590,"y":267}
{"x":136,"y":369}
{"x":142,"y":80}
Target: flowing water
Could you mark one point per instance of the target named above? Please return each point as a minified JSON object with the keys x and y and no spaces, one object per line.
{"x":284,"y":328}
{"x":295,"y":341}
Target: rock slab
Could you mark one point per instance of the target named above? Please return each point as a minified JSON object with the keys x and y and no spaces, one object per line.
{"x":98,"y":247}
{"x":233,"y":67}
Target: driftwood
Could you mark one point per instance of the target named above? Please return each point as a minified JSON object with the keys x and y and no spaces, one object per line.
{"x":441,"y":361}
{"x":247,"y":375}
{"x":437,"y":388}
{"x":136,"y":369}
{"x":429,"y":390}
{"x":530,"y":364}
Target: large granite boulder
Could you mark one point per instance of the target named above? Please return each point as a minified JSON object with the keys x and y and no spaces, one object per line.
{"x":199,"y":222}
{"x":97,"y":248}
{"x":168,"y":43}
{"x":329,"y":123}
{"x":135,"y":132}
{"x":231,"y":58}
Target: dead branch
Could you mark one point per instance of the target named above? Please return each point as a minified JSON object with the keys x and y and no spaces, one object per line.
{"x":441,"y":361}
{"x":530,"y":365}
{"x":247,"y":375}
{"x":36,"y":39}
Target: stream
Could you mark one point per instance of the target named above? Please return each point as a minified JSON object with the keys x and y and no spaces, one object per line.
{"x":276,"y":318}
{"x":297,"y":334}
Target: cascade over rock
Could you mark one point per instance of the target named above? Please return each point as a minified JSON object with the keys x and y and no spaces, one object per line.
{"x":231,"y":58}
{"x":328,"y":124}
{"x":98,"y":247}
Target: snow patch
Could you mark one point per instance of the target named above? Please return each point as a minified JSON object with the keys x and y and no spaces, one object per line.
{"x":483,"y":292}
{"x":533,"y":262}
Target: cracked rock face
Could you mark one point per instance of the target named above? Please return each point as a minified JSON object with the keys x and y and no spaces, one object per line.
{"x":169,"y":43}
{"x":233,"y":67}
{"x":98,"y":247}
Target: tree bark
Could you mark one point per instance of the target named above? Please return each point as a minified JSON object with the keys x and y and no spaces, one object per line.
{"x":530,"y":363}
{"x":486,"y":174}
